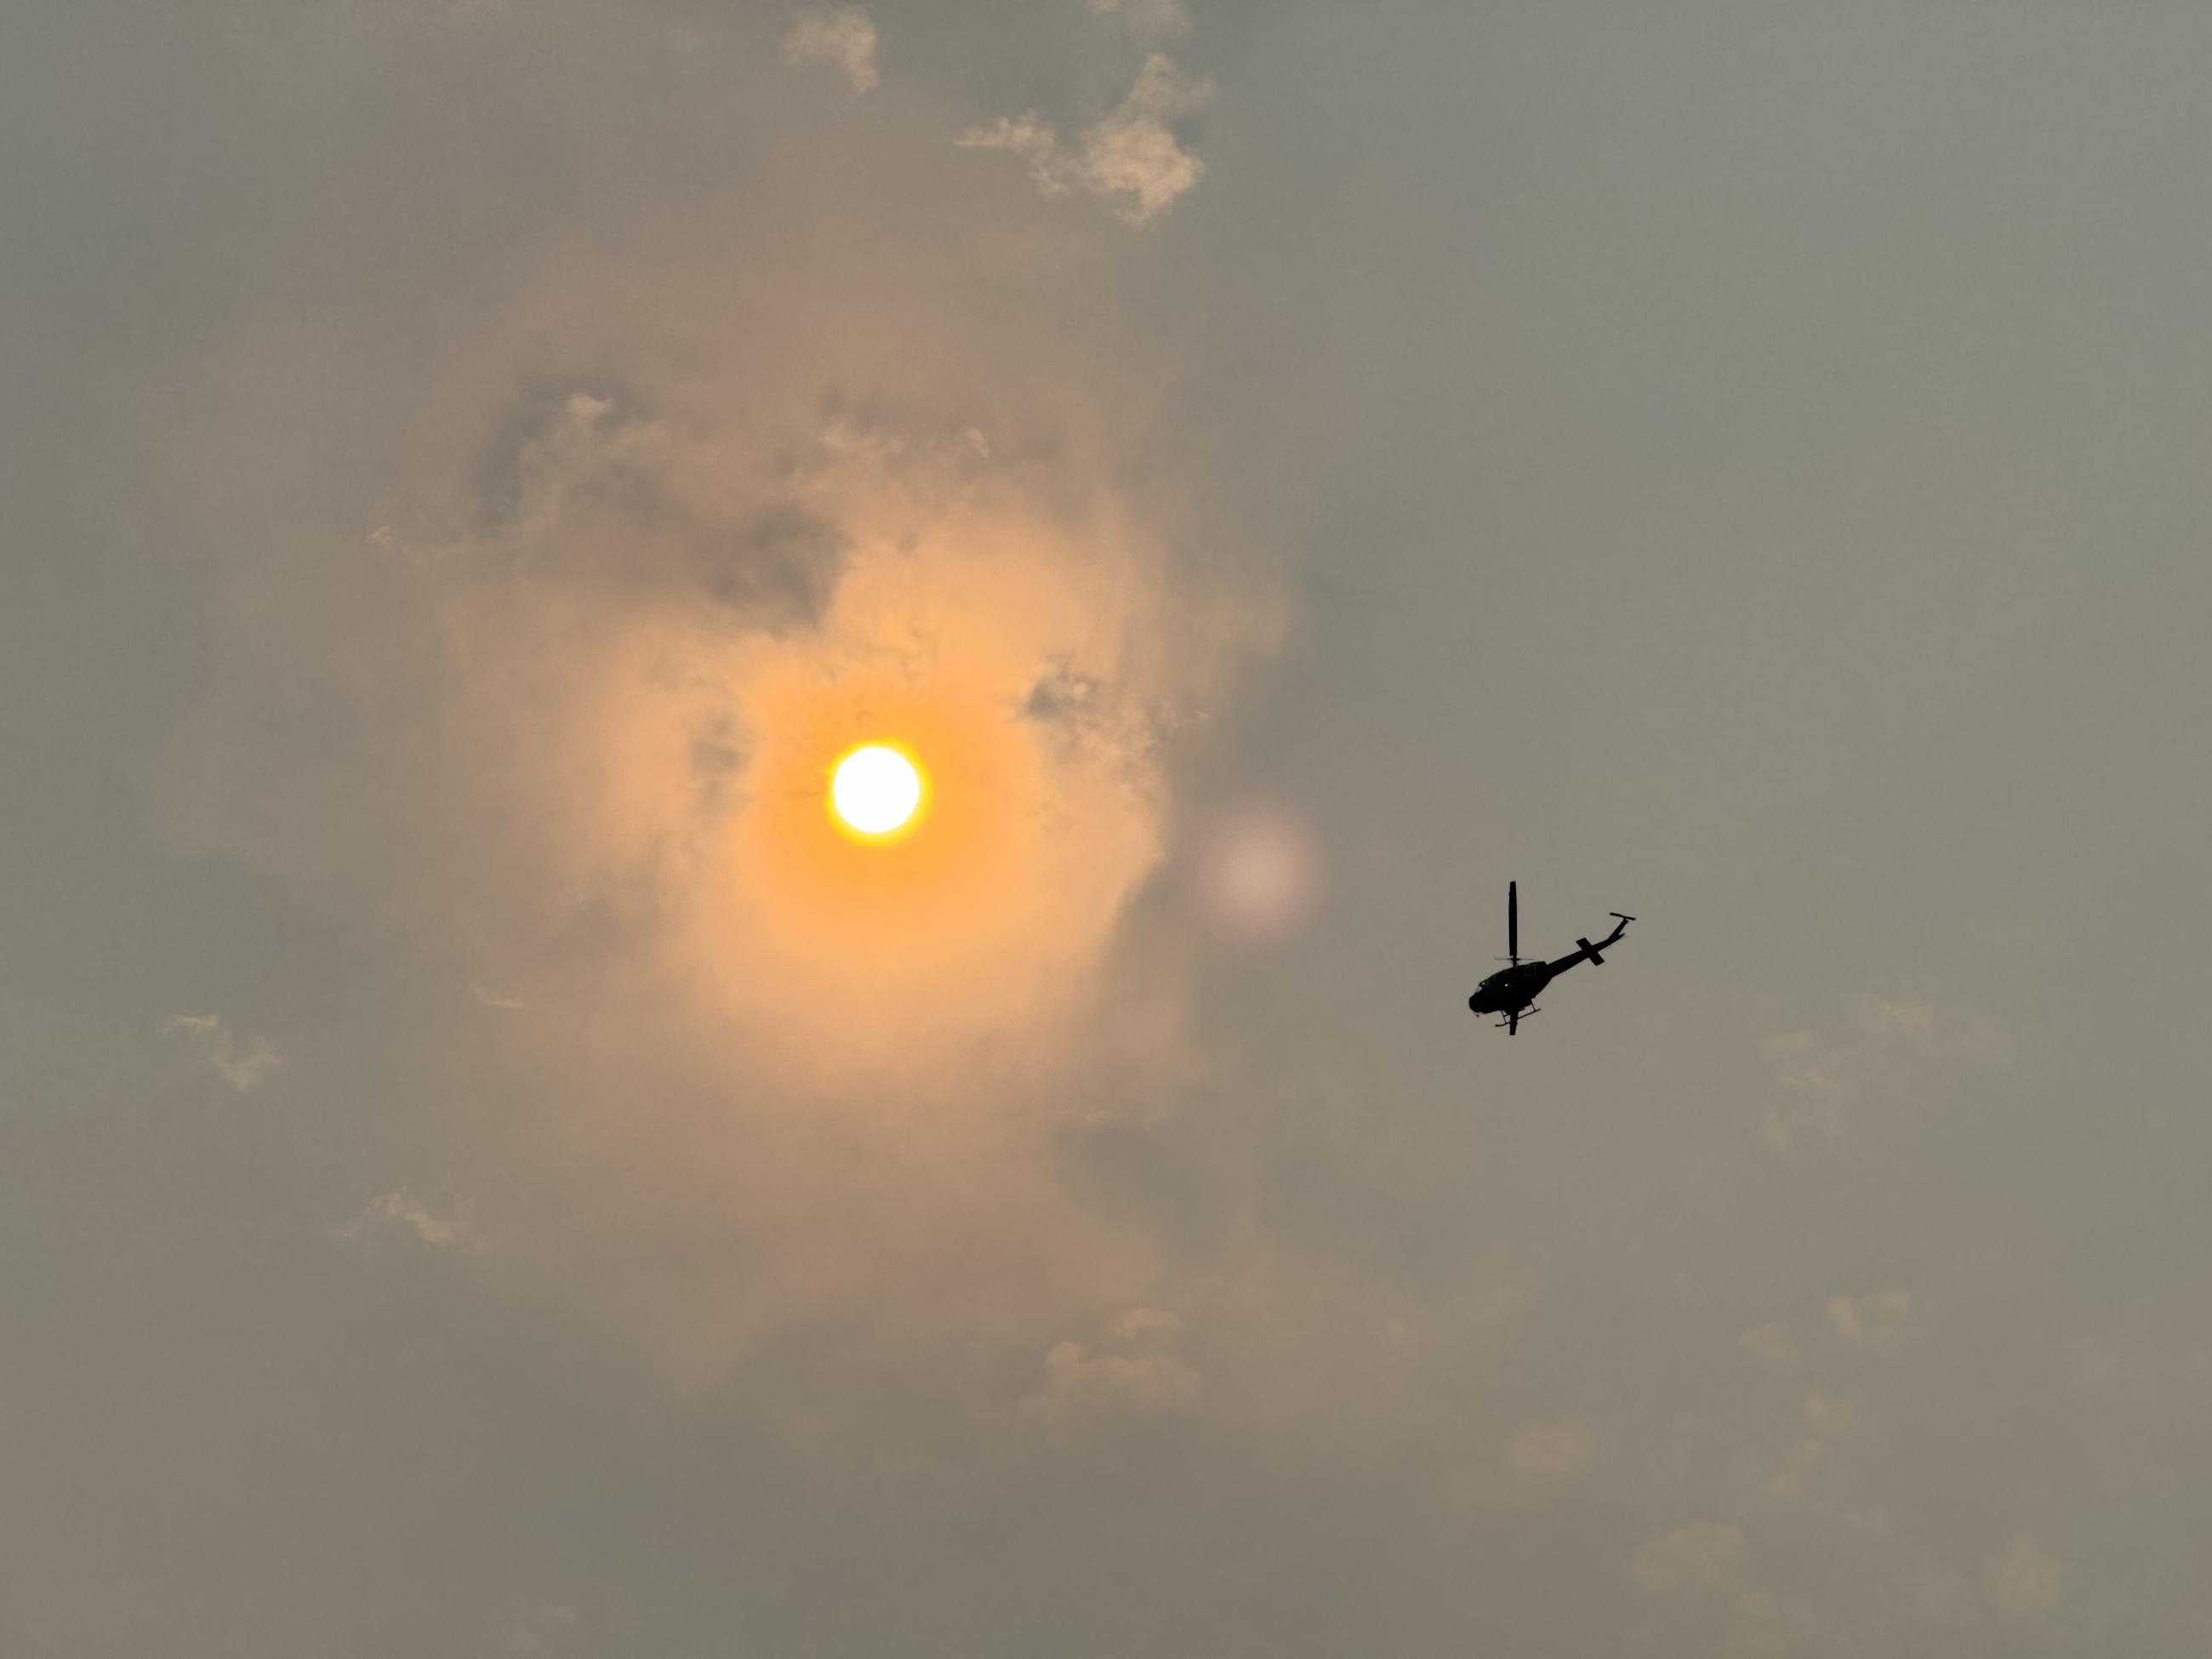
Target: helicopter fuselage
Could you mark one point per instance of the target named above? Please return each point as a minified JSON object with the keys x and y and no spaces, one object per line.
{"x":1517,"y":986}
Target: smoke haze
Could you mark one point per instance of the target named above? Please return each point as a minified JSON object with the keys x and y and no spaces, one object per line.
{"x":487,"y":1169}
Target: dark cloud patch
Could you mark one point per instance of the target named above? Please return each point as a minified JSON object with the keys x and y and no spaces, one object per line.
{"x":781,"y":567}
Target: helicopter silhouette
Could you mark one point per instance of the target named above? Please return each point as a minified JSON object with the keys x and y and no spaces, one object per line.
{"x":1513,"y":991}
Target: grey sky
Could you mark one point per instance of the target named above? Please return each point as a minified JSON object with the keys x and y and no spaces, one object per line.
{"x":1740,"y":465}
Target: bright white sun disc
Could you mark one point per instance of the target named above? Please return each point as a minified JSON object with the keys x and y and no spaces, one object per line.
{"x":875,"y":789}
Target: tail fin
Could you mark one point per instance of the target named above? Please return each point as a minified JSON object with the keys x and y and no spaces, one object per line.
{"x":1590,"y":951}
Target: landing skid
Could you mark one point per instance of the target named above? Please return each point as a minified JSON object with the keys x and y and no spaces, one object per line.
{"x":1511,"y":1023}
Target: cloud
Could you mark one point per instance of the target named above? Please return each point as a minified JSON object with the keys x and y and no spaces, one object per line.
{"x":656,"y":665}
{"x":1031,"y":138}
{"x":1150,"y":22}
{"x":1548,"y":1451}
{"x":1835,"y":1416}
{"x":1092,"y":1392}
{"x":1881,"y":1322}
{"x":699,"y":438}
{"x":1145,"y":1384}
{"x":842,"y":37}
{"x":2026,"y":1579}
{"x":681,"y":524}
{"x":1772,"y":1344}
{"x":1826,"y":1086}
{"x":241,"y":1066}
{"x":1086,"y":1391}
{"x":1134,"y":153}
{"x":1143,"y":1325}
{"x":1791,"y":1476}
{"x":1132,"y":157}
{"x":1705,"y":1555}
{"x":1820,"y":1468}
{"x":401,"y":1209}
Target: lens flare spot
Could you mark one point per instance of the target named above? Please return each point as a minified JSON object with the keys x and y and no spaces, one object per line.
{"x":875,"y":790}
{"x":1256,"y":875}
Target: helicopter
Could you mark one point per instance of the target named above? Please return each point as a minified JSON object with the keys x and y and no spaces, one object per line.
{"x":1513,"y":991}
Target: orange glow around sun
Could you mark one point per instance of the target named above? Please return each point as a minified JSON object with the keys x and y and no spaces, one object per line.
{"x":941,"y":893}
{"x":976,"y":782}
{"x":968,"y":890}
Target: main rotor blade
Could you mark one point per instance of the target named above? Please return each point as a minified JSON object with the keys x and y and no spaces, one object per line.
{"x":1513,"y":919}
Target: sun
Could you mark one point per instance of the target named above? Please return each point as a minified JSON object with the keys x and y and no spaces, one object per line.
{"x":875,"y":791}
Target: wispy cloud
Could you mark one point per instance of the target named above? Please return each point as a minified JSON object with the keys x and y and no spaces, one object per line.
{"x":1132,"y":157}
{"x":1881,"y":1321}
{"x":1705,"y":1555}
{"x":1141,"y":1383}
{"x":1886,"y":1054}
{"x":1150,"y":22}
{"x":1131,"y":1376}
{"x":2027,"y":1579}
{"x":1772,"y":1344}
{"x":1549,"y":1451}
{"x":842,"y":37}
{"x":400,"y":1210}
{"x":244,"y":1065}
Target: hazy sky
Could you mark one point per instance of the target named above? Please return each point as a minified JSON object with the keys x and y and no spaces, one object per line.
{"x":485,"y":1170}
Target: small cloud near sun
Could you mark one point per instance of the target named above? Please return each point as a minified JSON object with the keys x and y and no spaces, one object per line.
{"x":1131,"y":157}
